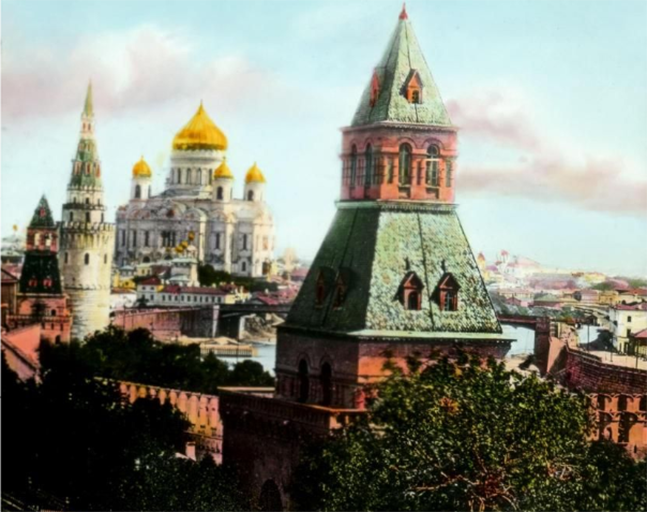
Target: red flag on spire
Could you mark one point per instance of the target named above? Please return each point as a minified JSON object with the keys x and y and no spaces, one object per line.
{"x":403,"y":14}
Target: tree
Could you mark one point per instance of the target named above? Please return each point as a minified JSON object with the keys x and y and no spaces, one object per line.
{"x":456,"y":435}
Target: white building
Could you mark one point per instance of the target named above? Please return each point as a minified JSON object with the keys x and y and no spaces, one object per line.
{"x":153,"y":293}
{"x":625,"y":320}
{"x":198,"y":207}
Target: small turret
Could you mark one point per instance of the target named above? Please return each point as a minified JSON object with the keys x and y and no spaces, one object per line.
{"x":254,"y":184}
{"x":141,"y":182}
{"x":223,"y":181}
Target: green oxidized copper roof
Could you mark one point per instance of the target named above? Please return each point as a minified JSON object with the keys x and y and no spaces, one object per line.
{"x":375,"y":245}
{"x":88,"y":109}
{"x":42,"y":217}
{"x":402,"y":57}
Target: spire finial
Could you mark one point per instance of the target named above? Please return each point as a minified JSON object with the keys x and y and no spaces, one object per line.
{"x":88,"y":108}
{"x":403,"y":14}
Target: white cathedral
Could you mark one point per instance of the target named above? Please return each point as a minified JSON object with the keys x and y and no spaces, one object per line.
{"x":197,"y":215}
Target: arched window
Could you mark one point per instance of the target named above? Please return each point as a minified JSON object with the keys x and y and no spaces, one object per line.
{"x":431,"y":177}
{"x":67,"y":258}
{"x":244,"y":266}
{"x":326,"y":384}
{"x":405,"y":164}
{"x":370,"y":172}
{"x":187,"y":179}
{"x":138,"y":192}
{"x":219,"y":193}
{"x":87,"y":200}
{"x":149,"y":191}
{"x":71,"y":216}
{"x":250,"y":195}
{"x":199,"y":177}
{"x":179,"y":176}
{"x":74,"y":199}
{"x":86,"y":258}
{"x":413,"y":300}
{"x":304,"y":382}
{"x":87,"y":216}
{"x":353,"y":165}
{"x":105,"y":259}
{"x":102,"y":217}
{"x":270,"y":499}
{"x":244,"y":242}
{"x":449,"y":170}
{"x":53,"y":312}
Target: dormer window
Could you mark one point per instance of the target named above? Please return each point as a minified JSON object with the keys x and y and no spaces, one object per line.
{"x":410,"y":291}
{"x":375,"y":89}
{"x":413,"y":88}
{"x":341,"y":287}
{"x":446,"y":293}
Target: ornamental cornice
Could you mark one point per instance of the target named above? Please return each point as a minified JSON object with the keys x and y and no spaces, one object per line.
{"x":398,"y":205}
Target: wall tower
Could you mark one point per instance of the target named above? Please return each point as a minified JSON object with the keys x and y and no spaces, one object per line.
{"x":87,"y":240}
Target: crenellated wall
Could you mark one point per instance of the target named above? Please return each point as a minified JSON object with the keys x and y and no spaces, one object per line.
{"x":201,"y":410}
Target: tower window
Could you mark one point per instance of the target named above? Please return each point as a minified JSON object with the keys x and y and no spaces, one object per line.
{"x":405,"y":164}
{"x":67,"y":259}
{"x":71,"y":216}
{"x":244,"y":242}
{"x":370,"y":172}
{"x":341,"y":287}
{"x":326,"y":384}
{"x":86,"y":258}
{"x":413,"y":87}
{"x":304,"y":381}
{"x":87,"y":216}
{"x":219,"y":193}
{"x":105,"y":259}
{"x":446,"y":293}
{"x":431,"y":177}
{"x":244,"y":266}
{"x":250,"y":195}
{"x":449,"y":168}
{"x":87,"y":200}
{"x":353,"y":165}
{"x":415,"y":96}
{"x":199,"y":177}
{"x":138,"y":192}
{"x":410,"y":291}
{"x":217,"y":240}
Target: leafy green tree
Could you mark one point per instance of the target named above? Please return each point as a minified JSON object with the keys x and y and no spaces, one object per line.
{"x":208,"y":276}
{"x":250,"y":373}
{"x":462,"y":436}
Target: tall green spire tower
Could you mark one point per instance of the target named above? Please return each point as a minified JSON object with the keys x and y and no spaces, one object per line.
{"x":87,"y":240}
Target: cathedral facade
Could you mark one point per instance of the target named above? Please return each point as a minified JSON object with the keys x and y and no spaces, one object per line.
{"x":197,"y":211}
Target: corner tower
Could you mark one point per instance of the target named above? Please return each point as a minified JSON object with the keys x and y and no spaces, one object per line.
{"x":87,"y":241}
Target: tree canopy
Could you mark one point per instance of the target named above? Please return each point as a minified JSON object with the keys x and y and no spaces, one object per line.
{"x":456,"y":435}
{"x":137,"y":357}
{"x":72,"y":442}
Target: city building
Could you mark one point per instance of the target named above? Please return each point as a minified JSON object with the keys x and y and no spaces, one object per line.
{"x":40,"y":298}
{"x":152,"y":292}
{"x":626,"y":319}
{"x":198,"y":206}
{"x":87,"y":240}
{"x":9,"y":292}
{"x":395,"y":276}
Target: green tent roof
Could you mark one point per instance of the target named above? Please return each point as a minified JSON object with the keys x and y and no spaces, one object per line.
{"x":402,"y":58}
{"x":42,"y":217}
{"x":372,"y":247}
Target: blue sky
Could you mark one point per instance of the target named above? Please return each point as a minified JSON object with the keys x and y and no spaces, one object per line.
{"x":550,"y":98}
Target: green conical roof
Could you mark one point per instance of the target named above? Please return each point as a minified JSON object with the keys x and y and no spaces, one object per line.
{"x":42,"y":216}
{"x":88,"y":109}
{"x":402,"y":59}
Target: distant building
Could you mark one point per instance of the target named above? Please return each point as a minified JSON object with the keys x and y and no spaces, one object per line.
{"x":9,"y":291}
{"x":40,"y":298}
{"x":152,"y":292}
{"x":626,"y":320}
{"x":198,"y":206}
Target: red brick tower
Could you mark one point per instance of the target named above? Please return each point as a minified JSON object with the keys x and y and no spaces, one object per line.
{"x":394,"y":277}
{"x":40,"y":298}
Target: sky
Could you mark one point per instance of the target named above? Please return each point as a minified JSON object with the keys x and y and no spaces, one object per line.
{"x":549,"y":97}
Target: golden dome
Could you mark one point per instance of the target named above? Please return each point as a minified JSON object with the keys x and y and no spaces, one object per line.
{"x":141,"y":169}
{"x":223,"y":171}
{"x":254,"y":174}
{"x":200,"y":133}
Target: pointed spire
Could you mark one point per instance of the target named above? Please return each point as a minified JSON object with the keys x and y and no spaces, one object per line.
{"x":402,"y":60}
{"x":403,"y":13}
{"x":88,"y":109}
{"x":42,"y":215}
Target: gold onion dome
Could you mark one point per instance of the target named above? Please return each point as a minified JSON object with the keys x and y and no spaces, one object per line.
{"x":254,"y":175}
{"x":200,"y":133}
{"x":141,"y":169}
{"x":223,"y":171}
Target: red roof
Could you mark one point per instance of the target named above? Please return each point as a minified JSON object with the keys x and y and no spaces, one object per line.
{"x":632,"y":307}
{"x":174,"y":288}
{"x":151,"y":280}
{"x":641,"y":334}
{"x":8,"y":278}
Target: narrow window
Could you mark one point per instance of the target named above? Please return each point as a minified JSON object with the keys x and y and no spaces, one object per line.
{"x":146,"y":238}
{"x":353,"y":165}
{"x":244,"y":267}
{"x":102,"y":218}
{"x":123,"y":237}
{"x":87,"y":216}
{"x":86,"y":258}
{"x":199,"y":177}
{"x":448,"y":173}
{"x":53,"y":312}
{"x":405,"y":164}
{"x":217,"y":240}
{"x":326,"y":384}
{"x":219,"y":193}
{"x":415,"y":96}
{"x":87,"y":200}
{"x":244,"y":242}
{"x":368,"y":157}
{"x":413,"y":300}
{"x":134,"y":238}
{"x":149,"y":191}
{"x":71,"y":216}
{"x":67,"y":259}
{"x":431,"y":177}
{"x":250,"y":195}
{"x":138,"y":192}
{"x":304,"y":382}
{"x":105,"y":259}
{"x":179,"y":176}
